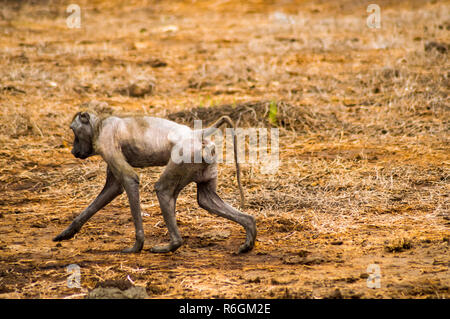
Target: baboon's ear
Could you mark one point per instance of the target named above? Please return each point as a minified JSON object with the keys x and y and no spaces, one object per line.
{"x":84,"y":117}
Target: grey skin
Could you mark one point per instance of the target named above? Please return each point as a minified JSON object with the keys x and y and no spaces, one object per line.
{"x":129,"y":142}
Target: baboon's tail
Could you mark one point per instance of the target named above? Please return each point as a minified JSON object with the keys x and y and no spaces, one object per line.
{"x":210,"y":130}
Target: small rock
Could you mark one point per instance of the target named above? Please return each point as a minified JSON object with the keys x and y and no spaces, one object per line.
{"x":111,"y":283}
{"x":253,"y":279}
{"x":216,"y":235}
{"x":117,"y":289}
{"x":154,"y":63}
{"x":138,"y":89}
{"x":440,"y":47}
{"x":351,"y":280}
{"x":398,"y":245}
{"x":155,"y":289}
{"x":116,"y":293}
{"x":335,"y":294}
{"x":39,"y":225}
{"x":298,"y":260}
{"x":282,"y":280}
{"x":303,"y":253}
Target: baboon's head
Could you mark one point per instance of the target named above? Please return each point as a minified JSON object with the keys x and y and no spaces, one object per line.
{"x":83,"y":128}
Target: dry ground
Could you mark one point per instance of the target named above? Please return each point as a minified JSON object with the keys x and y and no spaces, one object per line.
{"x":364,"y":145}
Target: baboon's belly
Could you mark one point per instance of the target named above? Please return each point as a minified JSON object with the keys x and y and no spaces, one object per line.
{"x":144,"y":155}
{"x":146,"y":142}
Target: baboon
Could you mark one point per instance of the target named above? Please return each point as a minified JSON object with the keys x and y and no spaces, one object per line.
{"x":127,"y":142}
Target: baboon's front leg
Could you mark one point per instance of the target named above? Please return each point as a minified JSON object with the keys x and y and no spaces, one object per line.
{"x":131,"y":186}
{"x":129,"y":180}
{"x":111,"y":190}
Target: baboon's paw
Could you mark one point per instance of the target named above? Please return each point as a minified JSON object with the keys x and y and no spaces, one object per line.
{"x":66,"y":234}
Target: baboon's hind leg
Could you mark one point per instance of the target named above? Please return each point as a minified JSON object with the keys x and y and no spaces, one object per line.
{"x":208,"y":199}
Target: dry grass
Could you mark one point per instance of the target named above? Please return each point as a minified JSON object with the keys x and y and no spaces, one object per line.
{"x":364,"y":145}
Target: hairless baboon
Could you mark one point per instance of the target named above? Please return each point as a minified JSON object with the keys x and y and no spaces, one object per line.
{"x":127,"y":142}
